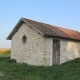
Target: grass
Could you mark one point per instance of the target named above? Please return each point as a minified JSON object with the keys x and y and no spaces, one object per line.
{"x":15,"y":71}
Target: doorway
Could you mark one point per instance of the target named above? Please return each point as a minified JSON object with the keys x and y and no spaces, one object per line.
{"x":56,"y":51}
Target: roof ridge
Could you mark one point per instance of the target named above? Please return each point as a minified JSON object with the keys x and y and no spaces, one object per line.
{"x":51,"y":25}
{"x":37,"y":21}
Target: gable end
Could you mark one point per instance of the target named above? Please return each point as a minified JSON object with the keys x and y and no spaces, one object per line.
{"x":18,"y":25}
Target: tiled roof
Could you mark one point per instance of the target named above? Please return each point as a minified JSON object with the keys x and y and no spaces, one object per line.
{"x":51,"y":30}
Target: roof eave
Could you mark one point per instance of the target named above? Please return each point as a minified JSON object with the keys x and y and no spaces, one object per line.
{"x":15,"y":28}
{"x":46,"y":35}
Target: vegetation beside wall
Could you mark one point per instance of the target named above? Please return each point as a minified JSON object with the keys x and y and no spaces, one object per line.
{"x":10,"y":70}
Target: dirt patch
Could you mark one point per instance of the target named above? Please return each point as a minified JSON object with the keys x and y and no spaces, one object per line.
{"x":1,"y":74}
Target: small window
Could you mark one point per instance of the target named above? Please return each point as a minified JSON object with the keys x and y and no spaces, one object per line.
{"x":55,"y":41}
{"x":24,"y":39}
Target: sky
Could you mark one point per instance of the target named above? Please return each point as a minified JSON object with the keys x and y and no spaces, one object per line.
{"x":63,"y":13}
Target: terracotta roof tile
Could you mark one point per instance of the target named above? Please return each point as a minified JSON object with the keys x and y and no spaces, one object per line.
{"x":51,"y":30}
{"x":48,"y":30}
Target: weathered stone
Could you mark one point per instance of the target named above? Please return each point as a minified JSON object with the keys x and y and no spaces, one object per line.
{"x":38,"y":50}
{"x":34,"y":50}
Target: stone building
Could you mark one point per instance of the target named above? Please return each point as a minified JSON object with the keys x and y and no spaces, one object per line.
{"x":37,"y":43}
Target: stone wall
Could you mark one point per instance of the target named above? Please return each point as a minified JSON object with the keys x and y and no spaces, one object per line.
{"x":36,"y":51}
{"x":69,"y":50}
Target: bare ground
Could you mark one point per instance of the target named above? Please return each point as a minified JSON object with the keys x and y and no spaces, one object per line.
{"x":1,"y":74}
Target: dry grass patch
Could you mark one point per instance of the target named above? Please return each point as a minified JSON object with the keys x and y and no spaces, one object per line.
{"x":4,"y":50}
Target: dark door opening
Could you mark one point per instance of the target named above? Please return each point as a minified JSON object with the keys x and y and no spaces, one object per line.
{"x":56,"y":51}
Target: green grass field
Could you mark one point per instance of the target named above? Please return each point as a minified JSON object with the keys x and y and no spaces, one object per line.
{"x":10,"y":70}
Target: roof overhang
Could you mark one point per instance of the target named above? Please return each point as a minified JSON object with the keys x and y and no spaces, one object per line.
{"x":15,"y":29}
{"x":42,"y":29}
{"x":18,"y":25}
{"x":60,"y":37}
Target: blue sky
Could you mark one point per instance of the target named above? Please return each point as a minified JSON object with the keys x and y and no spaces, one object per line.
{"x":63,"y":13}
